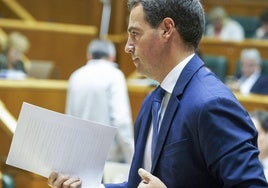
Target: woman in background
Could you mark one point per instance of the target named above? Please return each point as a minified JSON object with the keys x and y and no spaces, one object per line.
{"x":223,"y":27}
{"x":14,"y":49}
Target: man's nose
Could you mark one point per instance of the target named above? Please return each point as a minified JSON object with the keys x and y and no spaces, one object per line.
{"x":129,"y":48}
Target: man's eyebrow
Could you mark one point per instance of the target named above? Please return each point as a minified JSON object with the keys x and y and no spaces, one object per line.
{"x":130,"y":29}
{"x":133,"y":28}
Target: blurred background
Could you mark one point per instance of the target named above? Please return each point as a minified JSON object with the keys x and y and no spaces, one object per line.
{"x":58,"y":32}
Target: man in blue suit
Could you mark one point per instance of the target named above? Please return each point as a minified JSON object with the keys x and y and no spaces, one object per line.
{"x":205,"y":137}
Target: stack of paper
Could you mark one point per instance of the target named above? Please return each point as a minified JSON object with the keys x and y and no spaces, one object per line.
{"x":46,"y":141}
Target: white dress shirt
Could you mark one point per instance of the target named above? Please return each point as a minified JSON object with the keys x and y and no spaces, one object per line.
{"x":247,"y":83}
{"x":98,"y":92}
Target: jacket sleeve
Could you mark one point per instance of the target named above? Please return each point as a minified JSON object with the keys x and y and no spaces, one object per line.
{"x":230,"y":135}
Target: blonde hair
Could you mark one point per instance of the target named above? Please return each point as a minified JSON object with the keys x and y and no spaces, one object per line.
{"x":18,"y":41}
{"x":217,"y":12}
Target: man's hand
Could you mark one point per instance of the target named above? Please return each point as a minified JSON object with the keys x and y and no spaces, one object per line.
{"x":56,"y":180}
{"x":149,"y":181}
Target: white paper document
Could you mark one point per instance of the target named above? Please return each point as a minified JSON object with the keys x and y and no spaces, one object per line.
{"x":46,"y":141}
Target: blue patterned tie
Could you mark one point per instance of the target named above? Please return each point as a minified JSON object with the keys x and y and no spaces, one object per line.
{"x":156,"y":103}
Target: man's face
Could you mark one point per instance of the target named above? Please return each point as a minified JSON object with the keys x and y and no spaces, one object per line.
{"x":144,"y":43}
{"x":14,"y":55}
{"x":218,"y":23}
{"x":249,"y":66}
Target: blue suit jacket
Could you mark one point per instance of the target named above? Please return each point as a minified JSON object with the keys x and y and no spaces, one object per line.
{"x":261,"y":85}
{"x":206,"y":138}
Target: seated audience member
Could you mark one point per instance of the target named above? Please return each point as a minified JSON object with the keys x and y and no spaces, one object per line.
{"x":15,"y":47}
{"x":98,"y":92}
{"x":260,"y":120}
{"x":262,"y":31}
{"x":222,"y":27}
{"x":251,"y":79}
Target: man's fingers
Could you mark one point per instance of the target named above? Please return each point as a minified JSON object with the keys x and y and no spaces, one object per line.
{"x":72,"y":182}
{"x":52,"y":178}
{"x":60,"y":180}
{"x":56,"y":180}
{"x":146,"y":176}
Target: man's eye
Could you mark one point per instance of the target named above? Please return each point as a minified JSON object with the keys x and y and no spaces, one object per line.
{"x":133,"y":33}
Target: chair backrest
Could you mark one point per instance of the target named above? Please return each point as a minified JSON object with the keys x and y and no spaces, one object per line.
{"x":265,"y":66}
{"x":217,"y":64}
{"x":249,"y":23}
{"x":8,"y":181}
{"x":40,"y":69}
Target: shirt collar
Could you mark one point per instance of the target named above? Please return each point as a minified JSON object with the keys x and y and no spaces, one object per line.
{"x":170,"y":80}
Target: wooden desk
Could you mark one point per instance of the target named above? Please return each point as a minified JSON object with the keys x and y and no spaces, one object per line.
{"x":253,"y":101}
{"x":231,"y":50}
{"x":50,"y":94}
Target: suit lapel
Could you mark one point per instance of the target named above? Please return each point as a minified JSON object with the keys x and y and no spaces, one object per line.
{"x":174,"y":103}
{"x":164,"y":129}
{"x":142,"y":126}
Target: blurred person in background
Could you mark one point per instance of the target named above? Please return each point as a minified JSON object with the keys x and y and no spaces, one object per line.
{"x":98,"y":92}
{"x":251,"y":79}
{"x":262,"y":31}
{"x":222,"y":27}
{"x":12,"y":56}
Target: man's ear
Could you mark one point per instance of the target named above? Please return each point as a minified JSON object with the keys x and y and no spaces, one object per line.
{"x":168,"y":27}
